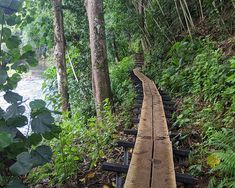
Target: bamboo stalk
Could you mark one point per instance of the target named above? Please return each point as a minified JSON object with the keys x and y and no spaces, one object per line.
{"x":160,"y":7}
{"x":178,"y":13}
{"x":189,"y":14}
{"x":233,"y":2}
{"x":200,"y":4}
{"x":71,"y":64}
{"x":186,"y":20}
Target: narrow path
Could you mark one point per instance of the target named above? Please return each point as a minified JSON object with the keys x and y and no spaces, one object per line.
{"x":152,"y":159}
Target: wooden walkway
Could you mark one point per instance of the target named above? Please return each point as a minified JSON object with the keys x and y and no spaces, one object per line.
{"x":152,"y":159}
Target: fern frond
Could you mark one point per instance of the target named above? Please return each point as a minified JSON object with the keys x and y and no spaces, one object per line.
{"x":227,"y":164}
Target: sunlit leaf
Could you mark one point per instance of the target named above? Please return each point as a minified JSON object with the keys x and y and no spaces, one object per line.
{"x":213,"y":160}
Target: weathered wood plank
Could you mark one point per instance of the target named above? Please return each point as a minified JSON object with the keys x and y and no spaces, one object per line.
{"x":163,"y":173}
{"x":139,"y":172}
{"x":152,"y":160}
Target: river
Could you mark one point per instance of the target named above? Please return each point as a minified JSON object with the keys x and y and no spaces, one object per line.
{"x":30,"y":88}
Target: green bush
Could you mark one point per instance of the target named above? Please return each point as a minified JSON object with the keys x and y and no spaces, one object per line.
{"x":81,"y":142}
{"x":197,"y":75}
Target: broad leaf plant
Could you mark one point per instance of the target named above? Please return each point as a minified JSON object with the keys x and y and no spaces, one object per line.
{"x":19,"y":153}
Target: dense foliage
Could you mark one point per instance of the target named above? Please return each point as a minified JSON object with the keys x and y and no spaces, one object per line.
{"x":19,"y":154}
{"x":202,"y":80}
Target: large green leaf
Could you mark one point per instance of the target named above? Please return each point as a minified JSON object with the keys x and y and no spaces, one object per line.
{"x":41,"y":155}
{"x":23,"y":164}
{"x":13,"y":20}
{"x":13,"y":42}
{"x":15,"y":53}
{"x":29,"y":57}
{"x":15,"y":184}
{"x":12,"y":81}
{"x":42,"y":123}
{"x":3,"y":76}
{"x":34,"y":139}
{"x":6,"y":33}
{"x":14,"y":111}
{"x":37,"y":104}
{"x":12,"y":97}
{"x":21,"y":66}
{"x":8,"y":129}
{"x":27,"y":48}
{"x":5,"y":140}
{"x":18,"y":121}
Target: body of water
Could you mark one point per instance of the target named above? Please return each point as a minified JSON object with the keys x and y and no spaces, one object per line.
{"x":30,"y":88}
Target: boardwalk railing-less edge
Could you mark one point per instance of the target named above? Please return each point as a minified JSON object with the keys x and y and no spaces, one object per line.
{"x":152,"y":159}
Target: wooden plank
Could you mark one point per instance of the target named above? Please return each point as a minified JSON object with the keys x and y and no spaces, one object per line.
{"x":152,"y":160}
{"x":163,"y":173}
{"x":139,"y":173}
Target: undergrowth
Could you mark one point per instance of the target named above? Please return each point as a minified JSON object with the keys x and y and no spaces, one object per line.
{"x":83,"y":141}
{"x":202,"y":81}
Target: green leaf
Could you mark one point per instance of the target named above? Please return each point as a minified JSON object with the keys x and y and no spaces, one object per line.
{"x":14,"y":111}
{"x":19,"y":121}
{"x":13,"y":42}
{"x":12,"y":81}
{"x":3,"y":76}
{"x":20,"y":66}
{"x":1,"y":16}
{"x":35,"y":139}
{"x":29,"y":57}
{"x":41,"y":155}
{"x":37,"y":104}
{"x":12,"y":97}
{"x":5,"y":140}
{"x":42,"y":123}
{"x":32,"y":61}
{"x":15,"y":184}
{"x":27,"y":48}
{"x":23,"y":164}
{"x":13,"y":20}
{"x":55,"y":131}
{"x":15,"y":53}
{"x":6,"y":33}
{"x":2,"y":112}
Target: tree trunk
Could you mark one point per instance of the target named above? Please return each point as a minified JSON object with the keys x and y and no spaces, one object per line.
{"x":59,"y":53}
{"x":100,"y":73}
{"x":142,"y":24}
{"x":115,"y":49}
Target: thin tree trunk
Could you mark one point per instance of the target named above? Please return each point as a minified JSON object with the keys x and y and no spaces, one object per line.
{"x":100,"y":74}
{"x":115,"y":48}
{"x":59,"y":54}
{"x":142,"y":22}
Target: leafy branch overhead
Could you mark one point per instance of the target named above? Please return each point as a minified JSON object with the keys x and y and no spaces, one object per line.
{"x":15,"y":58}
